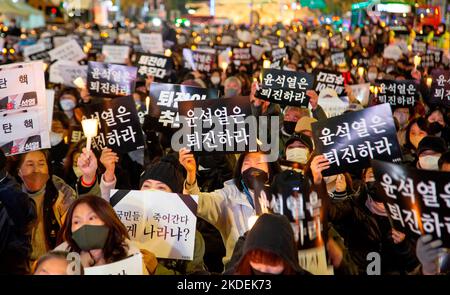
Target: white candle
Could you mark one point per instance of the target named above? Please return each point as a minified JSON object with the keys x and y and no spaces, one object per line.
{"x":90,"y":130}
{"x":266,"y":64}
{"x":361,"y":71}
{"x":417,"y":60}
{"x":224,"y":66}
{"x":168,"y":52}
{"x":429,"y":82}
{"x":79,"y":82}
{"x":147,"y":104}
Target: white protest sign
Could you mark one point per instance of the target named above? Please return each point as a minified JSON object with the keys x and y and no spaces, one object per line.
{"x":152,"y":42}
{"x":361,"y":92}
{"x":2,"y":43}
{"x":32,"y":49}
{"x":128,"y":266}
{"x":60,"y":40}
{"x":55,"y":70}
{"x":331,"y":104}
{"x":392,"y":52}
{"x":314,"y":260}
{"x":163,"y":223}
{"x":69,"y":73}
{"x":50,"y":95}
{"x":257,"y":51}
{"x":115,"y":53}
{"x":68,"y":51}
{"x":22,"y":88}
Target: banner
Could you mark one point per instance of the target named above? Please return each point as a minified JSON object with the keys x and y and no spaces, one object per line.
{"x":198,"y":60}
{"x":151,"y":43}
{"x":165,"y":98}
{"x":23,"y":108}
{"x":417,"y":201}
{"x":129,"y":266}
{"x":440,"y":88}
{"x":217,"y":125}
{"x":349,"y":141}
{"x":398,"y":93}
{"x":158,"y":66}
{"x":286,"y":87}
{"x":68,"y":51}
{"x":116,"y":54}
{"x":110,"y":80}
{"x":119,"y":128}
{"x":160,"y":222}
{"x":329,"y":79}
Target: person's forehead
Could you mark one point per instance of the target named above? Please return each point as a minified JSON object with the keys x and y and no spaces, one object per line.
{"x":34,"y":156}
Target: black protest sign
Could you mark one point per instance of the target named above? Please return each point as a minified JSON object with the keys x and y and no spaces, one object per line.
{"x":158,"y":66}
{"x":43,"y":55}
{"x":440,"y":88}
{"x":417,"y":201}
{"x":398,"y":93}
{"x":217,"y":125}
{"x":286,"y":87}
{"x":349,"y":141}
{"x":329,"y":79}
{"x":119,"y":127}
{"x":165,"y":99}
{"x":338,"y":59}
{"x":199,"y":60}
{"x":432,"y":58}
{"x":242,"y":55}
{"x":312,"y":44}
{"x":110,"y":80}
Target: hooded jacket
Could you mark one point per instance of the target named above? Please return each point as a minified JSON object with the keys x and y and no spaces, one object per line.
{"x":271,"y":233}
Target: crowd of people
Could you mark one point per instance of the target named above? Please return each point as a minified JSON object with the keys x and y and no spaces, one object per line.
{"x":56,"y":201}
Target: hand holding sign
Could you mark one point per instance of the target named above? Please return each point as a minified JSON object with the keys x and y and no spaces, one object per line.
{"x":313,"y":98}
{"x":318,"y":164}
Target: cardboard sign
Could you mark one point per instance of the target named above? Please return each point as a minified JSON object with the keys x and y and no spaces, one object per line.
{"x":349,"y":141}
{"x":160,"y":222}
{"x":286,"y":87}
{"x":116,"y":54}
{"x":151,"y":43}
{"x":440,"y":88}
{"x":329,"y":79}
{"x":165,"y":99}
{"x":119,"y":128}
{"x":23,"y":108}
{"x":217,"y":125}
{"x":129,"y":266}
{"x":417,"y":201}
{"x":68,"y":51}
{"x":158,"y":66}
{"x":109,"y":80}
{"x":397,"y":93}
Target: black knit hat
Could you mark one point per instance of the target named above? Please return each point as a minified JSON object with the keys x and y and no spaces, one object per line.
{"x":305,"y":139}
{"x":168,"y":171}
{"x":433,"y":143}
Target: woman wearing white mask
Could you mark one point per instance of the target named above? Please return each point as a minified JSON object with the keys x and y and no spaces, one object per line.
{"x":429,"y":151}
{"x":298,"y":149}
{"x":68,"y":101}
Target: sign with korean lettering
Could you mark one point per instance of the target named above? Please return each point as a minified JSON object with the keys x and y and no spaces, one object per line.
{"x":241,"y":55}
{"x":398,"y":93}
{"x":286,"y":87}
{"x":312,"y":44}
{"x":151,"y":42}
{"x":158,"y":66}
{"x":279,"y":54}
{"x":440,"y":88}
{"x":55,"y":70}
{"x":417,"y":201}
{"x":160,"y":222}
{"x":218,"y":125}
{"x":24,"y":126}
{"x":165,"y":99}
{"x":198,"y":60}
{"x":432,"y":58}
{"x":419,"y":47}
{"x":349,"y":141}
{"x":68,"y":51}
{"x":33,"y":50}
{"x":110,"y":80}
{"x":336,"y":40}
{"x":119,"y":128}
{"x":117,"y":54}
{"x":257,"y":51}
{"x":328,"y":79}
{"x":338,"y":59}
{"x":69,"y":73}
{"x":129,"y":266}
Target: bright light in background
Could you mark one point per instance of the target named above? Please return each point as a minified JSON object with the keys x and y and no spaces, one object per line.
{"x":191,"y":11}
{"x":156,"y":22}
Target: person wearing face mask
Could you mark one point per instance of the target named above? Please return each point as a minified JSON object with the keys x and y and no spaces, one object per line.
{"x":231,"y":208}
{"x":415,"y":132}
{"x":372,"y":74}
{"x":269,"y":249}
{"x":215,"y":81}
{"x":438,"y":124}
{"x":291,"y":115}
{"x":67,"y":102}
{"x":402,"y":116}
{"x":364,"y":224}
{"x":429,"y":151}
{"x":298,"y":149}
{"x":93,"y":230}
{"x":232,"y":87}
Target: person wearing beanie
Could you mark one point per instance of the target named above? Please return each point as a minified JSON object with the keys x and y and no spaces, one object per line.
{"x":429,"y":151}
{"x":298,"y":149}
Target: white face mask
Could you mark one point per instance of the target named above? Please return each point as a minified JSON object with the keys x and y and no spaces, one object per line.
{"x":429,"y":162}
{"x":55,"y":138}
{"x":402,"y":118}
{"x":77,"y":171}
{"x":372,"y":76}
{"x":215,"y":80}
{"x":330,"y":179}
{"x":298,"y":155}
{"x":67,"y":104}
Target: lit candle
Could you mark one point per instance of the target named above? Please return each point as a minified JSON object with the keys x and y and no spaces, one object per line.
{"x":252,"y":220}
{"x":168,"y":52}
{"x":355,"y":62}
{"x":266,"y":64}
{"x":79,"y":82}
{"x":314,"y":64}
{"x":281,"y":44}
{"x":147,"y":104}
{"x":417,"y":60}
{"x":90,"y":130}
{"x":224,"y":66}
{"x":429,"y":82}
{"x":361,"y":71}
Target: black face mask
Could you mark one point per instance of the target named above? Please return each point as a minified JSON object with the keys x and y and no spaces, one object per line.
{"x":260,"y":273}
{"x":372,"y":191}
{"x":254,"y":177}
{"x":289,"y":127}
{"x":434,"y":128}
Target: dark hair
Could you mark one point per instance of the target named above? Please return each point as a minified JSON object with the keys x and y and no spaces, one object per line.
{"x":68,"y":161}
{"x":265,"y":257}
{"x":53,"y":255}
{"x":61,"y":117}
{"x":71,"y":91}
{"x":444,"y":159}
{"x":115,"y":247}
{"x":274,"y":169}
{"x":423,"y":125}
{"x":442,"y":111}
